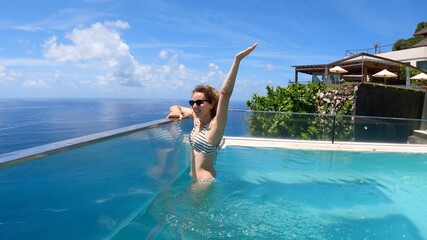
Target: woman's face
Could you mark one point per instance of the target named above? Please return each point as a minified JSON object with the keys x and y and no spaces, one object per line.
{"x":204,"y":109}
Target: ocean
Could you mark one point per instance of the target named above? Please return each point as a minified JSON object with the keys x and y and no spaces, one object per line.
{"x":26,"y":123}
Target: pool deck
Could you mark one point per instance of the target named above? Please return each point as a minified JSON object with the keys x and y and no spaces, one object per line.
{"x":325,"y":145}
{"x":419,"y":137}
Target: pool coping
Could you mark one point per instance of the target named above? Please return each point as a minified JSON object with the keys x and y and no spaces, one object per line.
{"x":44,"y":150}
{"x":324,"y":145}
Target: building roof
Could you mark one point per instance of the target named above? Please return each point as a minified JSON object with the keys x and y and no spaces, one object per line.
{"x":353,"y":64}
{"x":421,"y":43}
{"x":422,"y":32}
{"x":311,"y":69}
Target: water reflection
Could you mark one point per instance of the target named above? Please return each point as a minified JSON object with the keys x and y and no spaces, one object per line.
{"x":166,"y":142}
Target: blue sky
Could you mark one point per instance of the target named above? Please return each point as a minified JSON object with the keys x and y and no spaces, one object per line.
{"x":161,"y":49}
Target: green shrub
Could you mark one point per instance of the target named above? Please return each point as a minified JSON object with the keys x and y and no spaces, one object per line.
{"x":281,"y":119}
{"x":294,"y":98}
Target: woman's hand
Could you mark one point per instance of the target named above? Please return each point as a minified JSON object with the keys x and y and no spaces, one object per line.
{"x":175,"y":115}
{"x":245,"y":52}
{"x":175,"y":112}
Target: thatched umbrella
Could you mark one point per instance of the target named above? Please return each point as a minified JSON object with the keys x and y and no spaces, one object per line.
{"x":421,"y":76}
{"x":338,"y":70}
{"x":385,"y":74}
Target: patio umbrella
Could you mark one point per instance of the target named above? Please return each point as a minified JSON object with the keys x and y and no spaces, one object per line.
{"x":337,"y":70}
{"x":421,"y":76}
{"x":385,"y":74}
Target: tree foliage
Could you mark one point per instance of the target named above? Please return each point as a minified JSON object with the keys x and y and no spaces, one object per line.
{"x":408,"y":43}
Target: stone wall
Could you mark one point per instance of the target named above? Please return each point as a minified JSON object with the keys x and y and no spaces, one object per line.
{"x":331,"y":101}
{"x":376,"y":101}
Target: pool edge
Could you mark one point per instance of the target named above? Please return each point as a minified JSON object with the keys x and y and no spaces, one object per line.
{"x":324,"y":145}
{"x":43,"y":150}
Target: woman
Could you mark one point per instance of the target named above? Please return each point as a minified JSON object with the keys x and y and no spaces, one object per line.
{"x":209,"y":112}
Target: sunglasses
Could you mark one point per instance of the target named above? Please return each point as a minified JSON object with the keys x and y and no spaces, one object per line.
{"x":197,"y":102}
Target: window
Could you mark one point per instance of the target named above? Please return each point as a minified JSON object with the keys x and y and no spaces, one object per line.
{"x":422,"y":65}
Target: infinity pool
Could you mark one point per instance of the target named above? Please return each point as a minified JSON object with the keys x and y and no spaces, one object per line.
{"x":136,"y":186}
{"x":265,"y":193}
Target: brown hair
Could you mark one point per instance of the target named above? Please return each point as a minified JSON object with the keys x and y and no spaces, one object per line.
{"x":211,"y":95}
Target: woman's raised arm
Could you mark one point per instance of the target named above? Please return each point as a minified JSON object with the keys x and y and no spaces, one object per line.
{"x":227,"y":89}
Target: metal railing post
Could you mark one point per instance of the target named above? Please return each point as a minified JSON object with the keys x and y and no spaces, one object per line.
{"x":333,"y":129}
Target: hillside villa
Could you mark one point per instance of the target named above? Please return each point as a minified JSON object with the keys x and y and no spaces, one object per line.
{"x":362,"y":66}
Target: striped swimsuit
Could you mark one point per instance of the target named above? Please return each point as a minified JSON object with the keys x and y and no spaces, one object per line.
{"x":199,"y":142}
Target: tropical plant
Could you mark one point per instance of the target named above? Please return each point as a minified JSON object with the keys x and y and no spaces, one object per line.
{"x":293,"y":112}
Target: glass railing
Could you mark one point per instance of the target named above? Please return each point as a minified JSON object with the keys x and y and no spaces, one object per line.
{"x":94,"y":185}
{"x":326,"y":127}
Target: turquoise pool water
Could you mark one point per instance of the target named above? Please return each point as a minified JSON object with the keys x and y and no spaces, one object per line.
{"x":293,"y":194}
{"x":137,"y":186}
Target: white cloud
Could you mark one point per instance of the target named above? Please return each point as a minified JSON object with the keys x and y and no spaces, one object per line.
{"x":36,"y":84}
{"x":214,"y":74}
{"x":163,"y":54}
{"x":28,"y":62}
{"x":269,"y":67}
{"x":7,"y":76}
{"x":102,"y":43}
{"x":45,"y":81}
{"x":2,"y":74}
{"x":99,"y":41}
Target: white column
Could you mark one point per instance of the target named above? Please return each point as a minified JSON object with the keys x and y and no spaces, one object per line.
{"x":408,"y":76}
{"x":328,"y":77}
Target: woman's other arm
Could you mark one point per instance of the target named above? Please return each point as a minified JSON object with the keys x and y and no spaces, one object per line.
{"x":180,"y":112}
